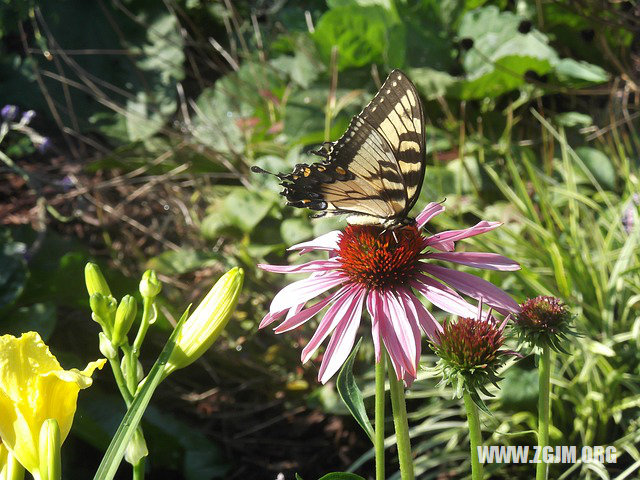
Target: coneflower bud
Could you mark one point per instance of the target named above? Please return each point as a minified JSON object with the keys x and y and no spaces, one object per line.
{"x":470,"y":354}
{"x":544,"y":320}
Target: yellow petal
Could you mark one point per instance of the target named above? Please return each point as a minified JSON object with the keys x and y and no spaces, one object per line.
{"x":33,"y":388}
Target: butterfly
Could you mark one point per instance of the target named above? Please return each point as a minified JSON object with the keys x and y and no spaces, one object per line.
{"x":374,"y":172}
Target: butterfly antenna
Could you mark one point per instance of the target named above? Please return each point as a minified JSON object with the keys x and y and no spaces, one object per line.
{"x":256,"y":169}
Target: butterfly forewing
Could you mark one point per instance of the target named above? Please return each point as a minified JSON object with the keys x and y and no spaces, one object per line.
{"x":375,"y":170}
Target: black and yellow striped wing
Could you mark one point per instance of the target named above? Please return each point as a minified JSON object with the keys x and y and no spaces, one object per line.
{"x":374,"y":172}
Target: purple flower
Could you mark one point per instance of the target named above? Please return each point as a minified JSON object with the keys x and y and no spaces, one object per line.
{"x":44,"y":145}
{"x":27,"y":117}
{"x":385,"y":270}
{"x":9,"y":112}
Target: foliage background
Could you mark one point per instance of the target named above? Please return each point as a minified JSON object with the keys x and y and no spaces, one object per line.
{"x":156,"y":110}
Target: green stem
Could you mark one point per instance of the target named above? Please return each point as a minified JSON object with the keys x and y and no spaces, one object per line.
{"x":148,"y":312}
{"x":120,"y":381}
{"x":475,"y":436}
{"x":544,"y":380}
{"x":138,"y":470}
{"x":379,"y":417}
{"x":401,"y":424}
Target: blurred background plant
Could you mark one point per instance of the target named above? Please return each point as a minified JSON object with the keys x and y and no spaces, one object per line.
{"x":154,"y":112}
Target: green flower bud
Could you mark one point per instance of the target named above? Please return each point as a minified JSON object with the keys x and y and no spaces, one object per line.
{"x":95,"y":281}
{"x":49,"y":446}
{"x":104,"y":309}
{"x":150,"y":286}
{"x":106,"y":347}
{"x":136,"y":448}
{"x":206,"y":323}
{"x":125,"y":315}
{"x":124,"y":365}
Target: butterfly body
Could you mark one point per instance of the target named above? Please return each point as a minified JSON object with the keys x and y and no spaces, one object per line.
{"x":374,"y":172}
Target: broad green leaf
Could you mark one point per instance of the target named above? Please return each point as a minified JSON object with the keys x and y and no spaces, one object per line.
{"x":351,"y":394}
{"x":341,"y":476}
{"x":362,"y":35}
{"x":431,"y":83}
{"x":39,"y":317}
{"x":295,"y":230}
{"x":245,"y":209}
{"x":178,"y":262}
{"x":573,"y":119}
{"x":13,"y":276}
{"x":519,"y":388}
{"x":599,"y":165}
{"x":579,"y":73}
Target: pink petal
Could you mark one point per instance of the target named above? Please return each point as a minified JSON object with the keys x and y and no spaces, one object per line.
{"x":303,"y":290}
{"x":415,"y":307}
{"x":341,"y":311}
{"x":428,"y":213}
{"x":488,"y":261}
{"x":403,"y":329}
{"x":394,"y":348}
{"x":455,"y":235}
{"x":300,"y":317}
{"x":375,"y":325}
{"x":314,"y":266}
{"x":475,"y":287}
{"x":443,"y":296}
{"x":328,"y":241}
{"x":271,"y":317}
{"x":341,"y":341}
{"x":412,"y":317}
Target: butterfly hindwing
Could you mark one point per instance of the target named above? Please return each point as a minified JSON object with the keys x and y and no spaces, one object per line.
{"x":375,"y":170}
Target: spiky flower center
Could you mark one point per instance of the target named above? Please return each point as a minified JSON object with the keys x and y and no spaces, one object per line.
{"x":379,"y":259}
{"x":543,"y":313}
{"x":469,"y":343}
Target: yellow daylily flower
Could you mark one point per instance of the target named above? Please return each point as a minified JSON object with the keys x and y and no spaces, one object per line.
{"x":34,"y":388}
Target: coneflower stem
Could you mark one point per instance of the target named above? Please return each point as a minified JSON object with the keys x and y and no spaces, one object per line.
{"x":379,"y":417}
{"x":544,"y":381}
{"x":475,"y":436}
{"x":400,"y":421}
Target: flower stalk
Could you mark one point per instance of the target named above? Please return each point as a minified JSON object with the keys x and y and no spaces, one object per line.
{"x":379,"y":417}
{"x":401,"y":423}
{"x":475,"y":435}
{"x":544,"y":390}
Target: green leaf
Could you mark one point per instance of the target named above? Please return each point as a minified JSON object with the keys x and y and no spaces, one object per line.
{"x":578,"y":73}
{"x":599,"y":165}
{"x":341,"y":476}
{"x":39,"y":317}
{"x":245,"y":209}
{"x":573,"y":119}
{"x":178,"y":262}
{"x":13,"y":276}
{"x":114,"y":454}
{"x":295,"y":230}
{"x":351,"y":394}
{"x":431,"y":83}
{"x":362,"y":35}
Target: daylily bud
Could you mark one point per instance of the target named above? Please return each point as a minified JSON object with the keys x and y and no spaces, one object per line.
{"x":206,"y":323}
{"x":125,"y":315}
{"x":106,"y":347}
{"x":103,"y":309}
{"x":50,"y":464}
{"x":136,"y":448}
{"x":124,"y":365}
{"x":95,"y":281}
{"x":150,"y":286}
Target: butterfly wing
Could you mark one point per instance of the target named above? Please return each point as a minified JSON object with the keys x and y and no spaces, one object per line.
{"x":375,"y":170}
